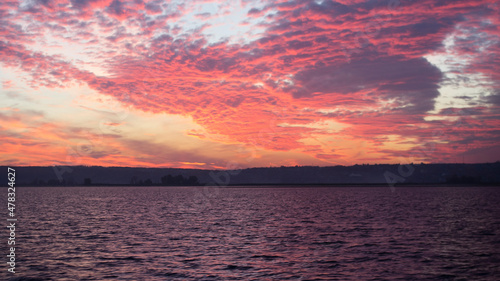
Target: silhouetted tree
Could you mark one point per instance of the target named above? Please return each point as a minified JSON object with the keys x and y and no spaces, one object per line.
{"x":192,"y":180}
{"x":463,"y":179}
{"x":167,"y":180}
{"x":133,"y":180}
{"x":54,"y":182}
{"x":179,"y":180}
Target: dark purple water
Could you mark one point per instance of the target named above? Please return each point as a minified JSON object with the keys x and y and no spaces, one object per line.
{"x":194,"y":233}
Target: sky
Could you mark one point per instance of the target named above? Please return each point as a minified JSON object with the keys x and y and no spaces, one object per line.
{"x":240,"y":83}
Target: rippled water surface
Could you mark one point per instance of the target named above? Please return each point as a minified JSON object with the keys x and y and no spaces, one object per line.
{"x":265,"y":233}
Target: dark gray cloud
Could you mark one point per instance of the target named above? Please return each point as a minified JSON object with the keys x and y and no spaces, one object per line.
{"x":414,"y":80}
{"x":153,"y":7}
{"x":115,"y":8}
{"x":328,"y":7}
{"x":79,"y":4}
{"x":494,"y":98}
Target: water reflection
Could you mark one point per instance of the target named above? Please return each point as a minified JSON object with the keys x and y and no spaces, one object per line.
{"x":157,"y":233}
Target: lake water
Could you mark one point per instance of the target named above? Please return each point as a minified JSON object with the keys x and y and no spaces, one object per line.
{"x":266,"y":233}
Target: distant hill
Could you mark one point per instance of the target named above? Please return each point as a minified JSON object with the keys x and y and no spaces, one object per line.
{"x":487,"y":173}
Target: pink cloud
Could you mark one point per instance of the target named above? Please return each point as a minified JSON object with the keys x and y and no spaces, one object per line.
{"x":7,"y":84}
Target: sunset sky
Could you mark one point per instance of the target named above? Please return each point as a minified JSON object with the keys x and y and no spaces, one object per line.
{"x":242,"y":83}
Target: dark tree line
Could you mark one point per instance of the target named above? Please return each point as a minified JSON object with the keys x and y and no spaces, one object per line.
{"x":179,"y":180}
{"x":462,"y":179}
{"x":167,"y":180}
